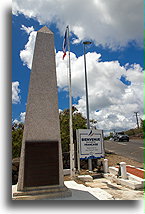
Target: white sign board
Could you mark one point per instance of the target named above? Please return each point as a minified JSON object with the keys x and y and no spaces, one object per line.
{"x":90,"y":143}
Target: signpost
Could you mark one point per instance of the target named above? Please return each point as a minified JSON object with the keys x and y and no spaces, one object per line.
{"x":89,"y":144}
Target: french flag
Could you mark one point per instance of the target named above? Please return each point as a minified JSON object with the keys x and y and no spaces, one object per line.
{"x":64,"y":44}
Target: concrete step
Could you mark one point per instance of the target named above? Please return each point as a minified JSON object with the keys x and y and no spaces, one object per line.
{"x":37,"y":194}
{"x":44,"y":196}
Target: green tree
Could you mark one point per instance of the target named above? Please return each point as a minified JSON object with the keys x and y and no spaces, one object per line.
{"x":17,"y":134}
{"x":79,"y":122}
{"x":142,"y":124}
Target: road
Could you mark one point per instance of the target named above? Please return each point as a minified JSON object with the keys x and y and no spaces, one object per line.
{"x":133,"y":149}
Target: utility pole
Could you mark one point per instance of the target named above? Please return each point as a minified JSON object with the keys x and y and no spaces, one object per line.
{"x":136,"y":114}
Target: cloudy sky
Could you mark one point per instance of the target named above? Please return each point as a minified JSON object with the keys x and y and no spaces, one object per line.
{"x":114,"y":59}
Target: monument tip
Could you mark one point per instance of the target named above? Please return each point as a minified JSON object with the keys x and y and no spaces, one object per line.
{"x":45,"y":30}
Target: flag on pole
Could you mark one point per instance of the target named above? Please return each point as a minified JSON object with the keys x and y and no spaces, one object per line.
{"x":64,"y":44}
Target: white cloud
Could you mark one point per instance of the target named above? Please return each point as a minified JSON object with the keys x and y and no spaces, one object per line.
{"x":22,"y":117}
{"x":26,"y":55}
{"x":28,"y":30}
{"x":15,"y":92}
{"x":15,"y":121}
{"x":115,"y":100}
{"x":60,"y":110}
{"x":109,"y":23}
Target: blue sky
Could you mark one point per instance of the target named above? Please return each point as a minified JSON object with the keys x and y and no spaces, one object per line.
{"x":114,"y":59}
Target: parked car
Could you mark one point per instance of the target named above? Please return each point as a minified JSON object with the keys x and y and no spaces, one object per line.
{"x":121,"y":137}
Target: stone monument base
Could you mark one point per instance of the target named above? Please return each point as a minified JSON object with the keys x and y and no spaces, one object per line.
{"x":40,"y":193}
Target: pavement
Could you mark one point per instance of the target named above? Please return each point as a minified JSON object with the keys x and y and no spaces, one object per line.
{"x":80,"y":192}
{"x":99,"y":189}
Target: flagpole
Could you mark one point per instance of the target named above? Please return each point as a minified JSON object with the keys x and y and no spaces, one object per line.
{"x":72,"y":170}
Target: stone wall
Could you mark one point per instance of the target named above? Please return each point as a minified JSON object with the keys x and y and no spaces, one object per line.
{"x":15,"y":170}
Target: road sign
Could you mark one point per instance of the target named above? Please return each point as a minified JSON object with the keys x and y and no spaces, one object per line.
{"x":90,"y":143}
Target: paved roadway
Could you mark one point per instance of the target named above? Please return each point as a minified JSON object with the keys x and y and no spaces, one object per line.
{"x":133,"y":149}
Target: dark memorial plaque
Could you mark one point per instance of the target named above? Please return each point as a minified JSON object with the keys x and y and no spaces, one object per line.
{"x":41,"y":164}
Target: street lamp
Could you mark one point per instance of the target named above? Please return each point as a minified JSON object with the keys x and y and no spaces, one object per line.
{"x":87,"y":103}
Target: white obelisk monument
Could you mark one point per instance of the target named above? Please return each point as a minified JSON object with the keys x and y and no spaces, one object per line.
{"x":41,"y":167}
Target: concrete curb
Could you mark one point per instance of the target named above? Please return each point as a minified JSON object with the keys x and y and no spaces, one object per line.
{"x":132,"y":181}
{"x":79,"y":192}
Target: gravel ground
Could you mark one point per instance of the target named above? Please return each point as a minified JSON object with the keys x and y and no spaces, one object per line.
{"x":113,"y":159}
{"x":118,"y":192}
